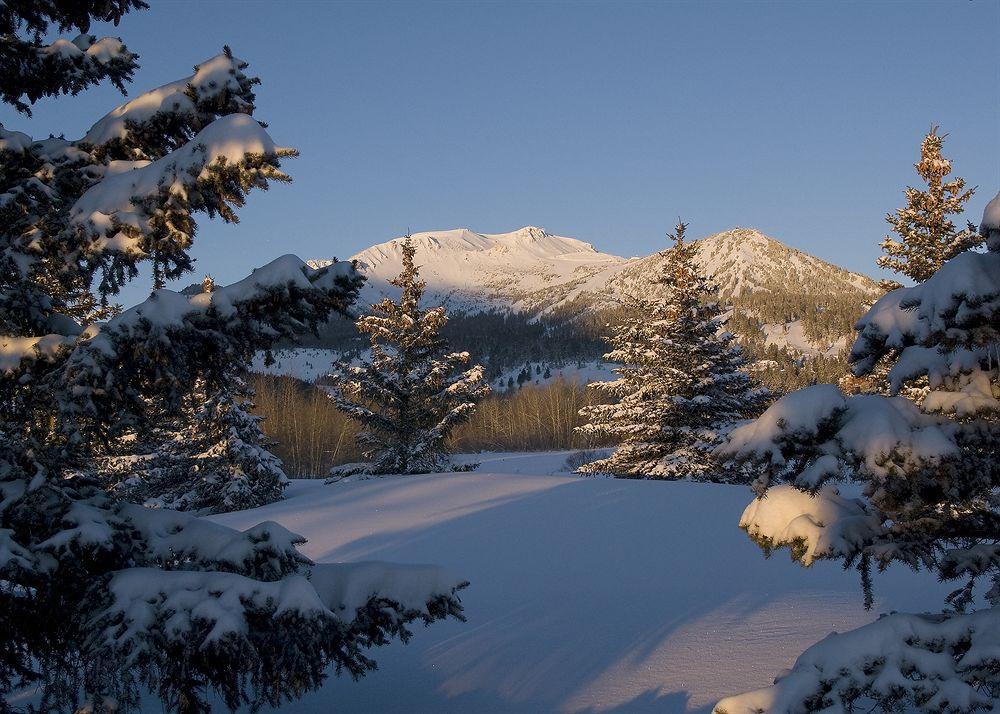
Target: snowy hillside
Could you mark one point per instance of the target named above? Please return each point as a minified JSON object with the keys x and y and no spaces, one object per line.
{"x":586,"y":595}
{"x":534,"y":271}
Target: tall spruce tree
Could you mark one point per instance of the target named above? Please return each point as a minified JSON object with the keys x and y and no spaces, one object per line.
{"x":681,"y":385}
{"x":929,"y":480}
{"x":411,"y":392}
{"x":927,"y":236}
{"x":101,"y":599}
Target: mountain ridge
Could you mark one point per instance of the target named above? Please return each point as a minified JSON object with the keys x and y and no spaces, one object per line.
{"x":534,"y":271}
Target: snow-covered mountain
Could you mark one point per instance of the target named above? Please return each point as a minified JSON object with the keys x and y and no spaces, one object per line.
{"x":533,"y":271}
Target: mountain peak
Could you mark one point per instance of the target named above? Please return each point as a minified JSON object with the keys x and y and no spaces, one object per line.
{"x":744,"y":260}
{"x":533,"y":270}
{"x":530,"y":232}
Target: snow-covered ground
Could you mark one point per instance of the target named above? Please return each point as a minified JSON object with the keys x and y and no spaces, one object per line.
{"x":580,"y":372}
{"x":586,"y":595}
{"x":307,"y":363}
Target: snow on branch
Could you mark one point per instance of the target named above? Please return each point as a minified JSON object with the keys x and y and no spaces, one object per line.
{"x":965,"y":290}
{"x":63,"y":66}
{"x":121,"y":362}
{"x":946,"y":328}
{"x":813,"y":526}
{"x":901,"y":661}
{"x":347,"y":588}
{"x":122,"y":210}
{"x":182,"y":541}
{"x":13,"y":554}
{"x":807,"y":436}
{"x":302,"y":623}
{"x":182,"y":601}
{"x":989,"y":227}
{"x":928,"y":484}
{"x":218,"y":83}
{"x":14,"y":141}
{"x":15,"y":352}
{"x":166,"y":309}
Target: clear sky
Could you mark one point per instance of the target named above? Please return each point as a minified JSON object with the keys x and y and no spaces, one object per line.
{"x":601,"y":121}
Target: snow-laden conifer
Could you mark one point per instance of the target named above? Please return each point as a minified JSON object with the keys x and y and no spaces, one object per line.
{"x":100,"y":599}
{"x":929,"y":477}
{"x":208,"y":456}
{"x":681,"y":383}
{"x":206,"y":453}
{"x":927,"y":237}
{"x":411,"y":391}
{"x":33,"y":69}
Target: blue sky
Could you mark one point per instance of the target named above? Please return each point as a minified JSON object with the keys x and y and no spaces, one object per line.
{"x":602,"y":121}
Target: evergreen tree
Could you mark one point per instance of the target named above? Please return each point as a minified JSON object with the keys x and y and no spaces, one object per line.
{"x":208,"y":454}
{"x":235,"y":471}
{"x":929,"y":478}
{"x":411,"y":392}
{"x":681,"y":383}
{"x":927,"y":237}
{"x":101,"y":599}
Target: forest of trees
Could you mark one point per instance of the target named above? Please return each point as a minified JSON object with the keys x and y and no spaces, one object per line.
{"x":526,"y":347}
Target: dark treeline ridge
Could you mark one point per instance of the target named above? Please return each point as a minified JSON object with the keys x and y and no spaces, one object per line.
{"x":502,"y":341}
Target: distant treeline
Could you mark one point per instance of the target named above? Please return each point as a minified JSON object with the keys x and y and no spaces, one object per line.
{"x":783,"y":372}
{"x":533,"y":418}
{"x":311,"y":435}
{"x":500,"y":341}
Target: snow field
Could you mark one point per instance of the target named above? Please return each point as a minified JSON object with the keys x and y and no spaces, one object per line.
{"x":586,"y":595}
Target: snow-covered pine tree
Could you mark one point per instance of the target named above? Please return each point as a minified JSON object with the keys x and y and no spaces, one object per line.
{"x":207,"y":453}
{"x":33,"y":70}
{"x":101,"y":598}
{"x":411,"y":392}
{"x":930,"y":478}
{"x":927,"y":236}
{"x":681,"y":383}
